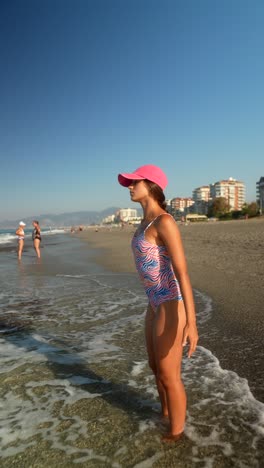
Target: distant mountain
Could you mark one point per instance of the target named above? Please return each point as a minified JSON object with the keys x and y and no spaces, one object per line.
{"x":63,"y":219}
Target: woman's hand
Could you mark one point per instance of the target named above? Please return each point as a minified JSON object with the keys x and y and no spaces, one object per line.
{"x":190,"y":333}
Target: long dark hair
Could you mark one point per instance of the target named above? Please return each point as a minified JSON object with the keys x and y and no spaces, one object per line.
{"x":157,"y":193}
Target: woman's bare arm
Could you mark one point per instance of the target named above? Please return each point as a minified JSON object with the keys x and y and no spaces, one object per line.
{"x":170,"y":235}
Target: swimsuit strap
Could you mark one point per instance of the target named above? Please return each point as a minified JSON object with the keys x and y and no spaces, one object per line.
{"x":151,"y":222}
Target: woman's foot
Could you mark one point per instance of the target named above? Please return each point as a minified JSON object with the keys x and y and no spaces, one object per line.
{"x":172,"y":437}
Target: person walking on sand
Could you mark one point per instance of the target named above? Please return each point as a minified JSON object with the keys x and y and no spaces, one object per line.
{"x":170,"y":318}
{"x":36,"y":237}
{"x":20,"y":239}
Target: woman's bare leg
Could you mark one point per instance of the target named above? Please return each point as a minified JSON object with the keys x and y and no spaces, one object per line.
{"x":37,"y":247}
{"x":167,"y":340}
{"x":149,"y":324}
{"x":20,"y":249}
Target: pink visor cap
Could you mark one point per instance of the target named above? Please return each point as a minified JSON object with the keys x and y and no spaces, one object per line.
{"x":149,"y":172}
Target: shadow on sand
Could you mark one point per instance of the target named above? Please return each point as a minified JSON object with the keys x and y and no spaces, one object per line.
{"x":66,"y":364}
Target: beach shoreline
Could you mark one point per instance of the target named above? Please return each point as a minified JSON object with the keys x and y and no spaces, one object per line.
{"x":225,"y":262}
{"x":72,"y":347}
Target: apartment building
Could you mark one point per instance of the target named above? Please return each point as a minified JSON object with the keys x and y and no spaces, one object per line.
{"x":201,"y":193}
{"x":108,"y":219}
{"x":180,"y":205}
{"x":201,"y":197}
{"x":127,"y":214}
{"x":232,"y":190}
{"x":260,"y":194}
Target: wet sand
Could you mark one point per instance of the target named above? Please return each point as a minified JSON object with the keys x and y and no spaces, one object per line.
{"x":225,"y":260}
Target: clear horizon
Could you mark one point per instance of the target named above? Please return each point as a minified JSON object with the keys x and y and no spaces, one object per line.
{"x":90,"y":89}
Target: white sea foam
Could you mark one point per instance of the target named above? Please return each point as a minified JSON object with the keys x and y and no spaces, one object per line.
{"x":72,"y":276}
{"x":138,"y":368}
{"x":7,"y":238}
{"x":25,"y":417}
{"x":13,"y":357}
{"x":222,"y":410}
{"x":205,"y":312}
{"x":51,"y":232}
{"x":146,"y":425}
{"x":148,"y":463}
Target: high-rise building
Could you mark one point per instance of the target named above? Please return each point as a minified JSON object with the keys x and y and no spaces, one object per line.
{"x":180,"y":206}
{"x":201,"y":197}
{"x":127,"y":214}
{"x":232,"y":190}
{"x":201,"y":193}
{"x":260,"y":194}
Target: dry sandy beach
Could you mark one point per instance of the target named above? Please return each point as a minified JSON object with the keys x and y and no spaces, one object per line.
{"x":225,"y":260}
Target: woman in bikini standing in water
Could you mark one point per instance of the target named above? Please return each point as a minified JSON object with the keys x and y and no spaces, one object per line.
{"x":36,"y":237}
{"x":20,"y":239}
{"x":170,"y":318}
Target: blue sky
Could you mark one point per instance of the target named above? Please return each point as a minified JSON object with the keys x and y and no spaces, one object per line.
{"x":90,"y":88}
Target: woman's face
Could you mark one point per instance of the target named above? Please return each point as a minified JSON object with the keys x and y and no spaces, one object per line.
{"x":138,"y":190}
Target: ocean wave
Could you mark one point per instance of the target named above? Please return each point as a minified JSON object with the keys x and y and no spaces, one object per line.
{"x":8,"y":237}
{"x":53,"y":231}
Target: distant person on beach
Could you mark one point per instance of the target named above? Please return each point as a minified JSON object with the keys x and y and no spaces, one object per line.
{"x":170,"y":319}
{"x":20,"y":239}
{"x":36,"y":237}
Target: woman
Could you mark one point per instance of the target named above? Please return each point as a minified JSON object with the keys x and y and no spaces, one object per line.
{"x":170,"y":318}
{"x":36,"y":237}
{"x":20,"y":239}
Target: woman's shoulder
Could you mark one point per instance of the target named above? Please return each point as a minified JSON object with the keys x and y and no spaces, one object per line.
{"x":166,"y":222}
{"x":165,"y":219}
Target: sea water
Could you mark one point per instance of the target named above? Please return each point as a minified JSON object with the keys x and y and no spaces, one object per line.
{"x":75,"y":384}
{"x":7,"y":236}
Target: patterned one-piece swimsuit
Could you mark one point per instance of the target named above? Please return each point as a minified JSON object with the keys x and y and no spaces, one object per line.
{"x":155,"y":270}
